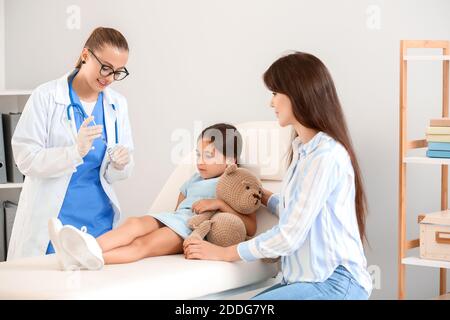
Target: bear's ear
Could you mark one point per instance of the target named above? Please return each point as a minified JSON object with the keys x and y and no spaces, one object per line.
{"x":231,"y":169}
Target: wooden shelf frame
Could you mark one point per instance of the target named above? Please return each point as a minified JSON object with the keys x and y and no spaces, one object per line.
{"x":405,"y":145}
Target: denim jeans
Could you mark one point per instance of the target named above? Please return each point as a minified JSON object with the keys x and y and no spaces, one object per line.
{"x":339,"y":286}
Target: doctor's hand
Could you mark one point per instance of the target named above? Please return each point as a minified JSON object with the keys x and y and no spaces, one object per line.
{"x":87,"y":135}
{"x":120,"y":157}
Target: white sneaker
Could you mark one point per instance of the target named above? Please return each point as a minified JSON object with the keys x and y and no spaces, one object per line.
{"x":82,"y":246}
{"x":66,"y":261}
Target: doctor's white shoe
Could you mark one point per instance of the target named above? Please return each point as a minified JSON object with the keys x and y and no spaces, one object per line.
{"x":66,"y":262}
{"x":82,"y":246}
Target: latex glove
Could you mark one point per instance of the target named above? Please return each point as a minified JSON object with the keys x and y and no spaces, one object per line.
{"x":120,"y":157}
{"x":87,"y":135}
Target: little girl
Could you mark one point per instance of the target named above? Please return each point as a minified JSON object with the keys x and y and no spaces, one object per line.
{"x":161,"y":233}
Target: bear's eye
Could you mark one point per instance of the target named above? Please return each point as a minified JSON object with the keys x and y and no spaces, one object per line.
{"x":247,"y":187}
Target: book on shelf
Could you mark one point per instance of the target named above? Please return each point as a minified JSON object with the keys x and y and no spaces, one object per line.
{"x":439,"y":146}
{"x":441,"y":122}
{"x":438,"y":154}
{"x":438,"y":130}
{"x":9,"y":122}
{"x":438,"y":137}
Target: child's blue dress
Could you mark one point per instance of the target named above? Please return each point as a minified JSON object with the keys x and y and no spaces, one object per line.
{"x":196,"y":188}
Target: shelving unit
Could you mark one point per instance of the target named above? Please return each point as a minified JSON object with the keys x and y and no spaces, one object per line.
{"x":12,"y":101}
{"x":415,"y":261}
{"x":10,"y":185}
{"x":405,"y":145}
{"x":15,"y":92}
{"x":427,"y":58}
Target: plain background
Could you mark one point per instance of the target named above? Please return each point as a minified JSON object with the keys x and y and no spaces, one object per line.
{"x":2,"y":44}
{"x":202,"y":60}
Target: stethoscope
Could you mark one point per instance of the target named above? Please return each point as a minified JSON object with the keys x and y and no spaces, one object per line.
{"x":78,"y":108}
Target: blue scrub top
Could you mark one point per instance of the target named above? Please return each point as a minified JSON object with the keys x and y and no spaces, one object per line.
{"x":86,"y":205}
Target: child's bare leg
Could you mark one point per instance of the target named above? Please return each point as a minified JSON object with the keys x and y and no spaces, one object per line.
{"x":160,"y":242}
{"x":131,"y":229}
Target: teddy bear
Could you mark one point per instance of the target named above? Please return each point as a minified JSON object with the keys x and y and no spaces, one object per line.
{"x":242,"y":191}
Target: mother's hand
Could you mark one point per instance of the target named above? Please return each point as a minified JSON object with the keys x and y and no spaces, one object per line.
{"x":265,"y":196}
{"x":203,"y":250}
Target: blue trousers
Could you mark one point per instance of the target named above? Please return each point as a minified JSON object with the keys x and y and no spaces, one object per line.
{"x":339,"y":286}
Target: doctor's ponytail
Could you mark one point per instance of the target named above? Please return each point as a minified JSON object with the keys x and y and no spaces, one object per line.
{"x":104,"y":36}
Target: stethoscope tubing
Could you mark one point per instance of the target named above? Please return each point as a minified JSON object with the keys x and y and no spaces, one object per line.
{"x":80,"y":109}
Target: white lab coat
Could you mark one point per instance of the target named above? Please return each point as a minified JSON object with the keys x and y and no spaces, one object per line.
{"x":46,"y":153}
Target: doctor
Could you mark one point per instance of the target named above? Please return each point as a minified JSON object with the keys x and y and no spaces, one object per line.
{"x":72,"y":142}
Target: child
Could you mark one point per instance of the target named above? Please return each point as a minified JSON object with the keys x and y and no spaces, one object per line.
{"x":161,"y":233}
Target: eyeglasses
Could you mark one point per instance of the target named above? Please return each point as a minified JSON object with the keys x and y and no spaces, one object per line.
{"x":106,"y":71}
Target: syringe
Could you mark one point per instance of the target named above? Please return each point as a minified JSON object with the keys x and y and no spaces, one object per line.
{"x":109,"y":150}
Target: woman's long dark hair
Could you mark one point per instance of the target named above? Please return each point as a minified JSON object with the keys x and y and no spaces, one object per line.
{"x":315,"y":104}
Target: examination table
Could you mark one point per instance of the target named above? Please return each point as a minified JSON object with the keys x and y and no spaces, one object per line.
{"x":167,"y":277}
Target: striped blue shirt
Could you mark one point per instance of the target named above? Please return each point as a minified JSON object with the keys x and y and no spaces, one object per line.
{"x":317,"y":229}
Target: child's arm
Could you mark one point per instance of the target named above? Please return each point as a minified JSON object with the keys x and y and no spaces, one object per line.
{"x":181,"y":197}
{"x":216,"y":204}
{"x":248,"y":219}
{"x":265,"y":196}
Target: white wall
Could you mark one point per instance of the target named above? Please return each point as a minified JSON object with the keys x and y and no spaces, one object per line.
{"x":2,"y":44}
{"x":203,"y":60}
